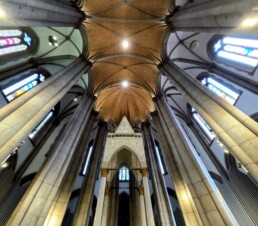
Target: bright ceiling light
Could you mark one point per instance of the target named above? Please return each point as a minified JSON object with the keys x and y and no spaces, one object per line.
{"x":2,"y":13}
{"x":125,"y":44}
{"x":250,"y":22}
{"x":125,"y":84}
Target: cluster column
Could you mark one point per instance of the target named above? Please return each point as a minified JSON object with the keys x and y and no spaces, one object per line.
{"x":22,"y":115}
{"x":236,"y":130}
{"x":231,"y":16}
{"x":199,"y":190}
{"x":82,"y":212}
{"x":42,"y":193}
{"x":162,"y":198}
{"x":39,"y":13}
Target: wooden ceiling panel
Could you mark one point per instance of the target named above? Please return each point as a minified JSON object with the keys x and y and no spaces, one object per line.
{"x":141,"y":23}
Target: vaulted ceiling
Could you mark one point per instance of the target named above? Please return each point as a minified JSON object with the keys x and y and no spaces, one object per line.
{"x":108,"y":24}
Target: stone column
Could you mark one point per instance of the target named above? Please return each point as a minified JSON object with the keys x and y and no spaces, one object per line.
{"x":235,"y":129}
{"x":40,"y":13}
{"x":84,"y":204}
{"x":59,"y":207}
{"x":142,"y":207}
{"x":200,"y":190}
{"x":101,"y":194}
{"x":37,"y":201}
{"x":105,"y":209}
{"x":147,"y":197}
{"x":162,"y":198}
{"x":230,"y":16}
{"x":22,"y":115}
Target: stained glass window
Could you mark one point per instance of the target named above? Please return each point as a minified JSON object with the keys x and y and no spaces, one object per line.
{"x":221,"y":89}
{"x":15,"y":43}
{"x":202,"y":124}
{"x":239,"y":52}
{"x":124,"y":174}
{"x":16,"y":88}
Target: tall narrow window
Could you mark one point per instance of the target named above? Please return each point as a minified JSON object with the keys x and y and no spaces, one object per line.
{"x":41,"y":124}
{"x":204,"y":127}
{"x":17,"y":42}
{"x":235,"y":51}
{"x":16,"y":87}
{"x":124,"y":174}
{"x":87,"y":159}
{"x":221,"y":89}
{"x":160,"y":158}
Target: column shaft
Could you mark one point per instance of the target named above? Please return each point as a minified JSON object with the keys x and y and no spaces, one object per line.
{"x":142,"y":207}
{"x":105,"y":209}
{"x":211,"y":209}
{"x":22,"y":115}
{"x":216,"y":17}
{"x":37,"y":201}
{"x":165,"y":212}
{"x":39,"y":13}
{"x":100,"y":203}
{"x":190,"y":214}
{"x":147,"y":198}
{"x":84,"y":204}
{"x":58,"y":210}
{"x":236,"y":130}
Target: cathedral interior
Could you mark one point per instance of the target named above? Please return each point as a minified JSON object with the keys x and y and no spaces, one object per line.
{"x":128,"y":113}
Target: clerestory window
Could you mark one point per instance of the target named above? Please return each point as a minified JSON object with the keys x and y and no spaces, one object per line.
{"x":241,"y":53}
{"x":16,"y":43}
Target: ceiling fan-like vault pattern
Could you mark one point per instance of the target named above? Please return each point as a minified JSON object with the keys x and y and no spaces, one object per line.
{"x":108,"y":23}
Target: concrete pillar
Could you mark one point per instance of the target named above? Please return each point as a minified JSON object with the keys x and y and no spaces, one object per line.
{"x":59,"y":207}
{"x":84,"y":204}
{"x":40,"y":13}
{"x":105,"y":209}
{"x":142,"y":207}
{"x":101,"y":194}
{"x":162,"y":198}
{"x":220,"y":16}
{"x":199,"y":190}
{"x":22,"y":115}
{"x":147,"y":197}
{"x":37,"y":201}
{"x":237,"y":131}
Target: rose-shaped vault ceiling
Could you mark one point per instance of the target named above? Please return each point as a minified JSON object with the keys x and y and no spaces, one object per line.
{"x":141,"y":23}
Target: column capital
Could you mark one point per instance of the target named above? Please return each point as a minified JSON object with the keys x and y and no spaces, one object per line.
{"x":104,"y":172}
{"x":144,"y":171}
{"x":140,"y":190}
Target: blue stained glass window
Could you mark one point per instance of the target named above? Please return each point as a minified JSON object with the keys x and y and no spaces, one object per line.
{"x":124,"y":174}
{"x":220,"y":89}
{"x":239,"y":52}
{"x":14,"y":90}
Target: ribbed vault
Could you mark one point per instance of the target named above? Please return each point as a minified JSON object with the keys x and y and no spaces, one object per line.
{"x":108,"y":23}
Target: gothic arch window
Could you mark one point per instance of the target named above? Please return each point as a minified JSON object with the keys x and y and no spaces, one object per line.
{"x":124,"y":174}
{"x":16,"y":43}
{"x":220,"y":88}
{"x":239,"y":52}
{"x":13,"y":88}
